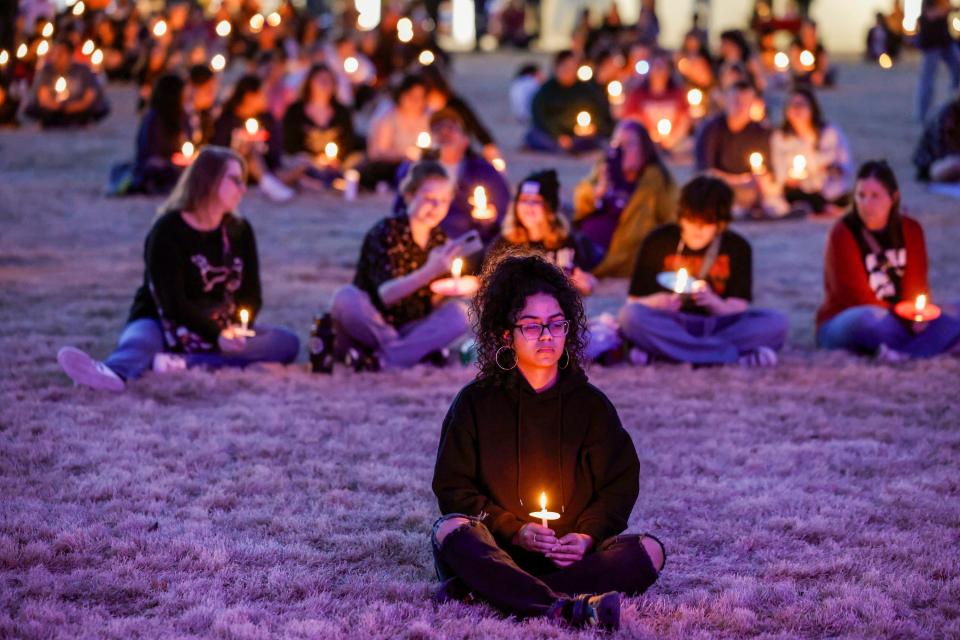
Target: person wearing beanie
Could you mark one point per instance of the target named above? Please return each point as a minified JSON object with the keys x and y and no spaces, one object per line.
{"x":534,"y":225}
{"x":711,"y":320}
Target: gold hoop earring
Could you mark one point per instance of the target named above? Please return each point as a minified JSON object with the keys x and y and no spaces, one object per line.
{"x":566,"y":353}
{"x":496,"y":358}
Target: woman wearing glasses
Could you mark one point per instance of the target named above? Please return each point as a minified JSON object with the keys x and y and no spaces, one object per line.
{"x":531,"y":428}
{"x":201,"y":271}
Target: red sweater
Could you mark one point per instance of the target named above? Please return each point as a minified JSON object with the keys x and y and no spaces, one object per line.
{"x":845,"y":279}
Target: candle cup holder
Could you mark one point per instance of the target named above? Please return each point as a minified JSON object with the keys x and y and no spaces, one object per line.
{"x":462,"y":287}
{"x":907,"y":309}
{"x":668,"y":280}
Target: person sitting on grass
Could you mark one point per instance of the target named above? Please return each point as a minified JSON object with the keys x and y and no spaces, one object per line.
{"x":389,"y":317}
{"x":533,"y":224}
{"x":66,"y":93}
{"x":810,"y":157}
{"x":531,"y":432}
{"x":712,"y":323}
{"x":937,"y":156}
{"x":660,"y":104}
{"x":163,"y":130}
{"x":875,"y":258}
{"x":627,"y":194}
{"x":394,"y":131}
{"x":201,"y":271}
{"x":557,"y":105}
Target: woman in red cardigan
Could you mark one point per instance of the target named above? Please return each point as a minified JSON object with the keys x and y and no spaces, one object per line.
{"x":875,"y":258}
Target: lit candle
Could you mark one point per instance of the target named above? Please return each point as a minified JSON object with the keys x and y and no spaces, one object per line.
{"x":79,"y":8}
{"x":781,"y":61}
{"x":499,"y":164}
{"x":885,"y":61}
{"x":919,"y":306}
{"x":252,"y":126}
{"x":4,"y":57}
{"x":615,"y":92}
{"x":584,"y":124}
{"x":756,"y":162}
{"x":424,"y":141}
{"x":47,"y":30}
{"x":544,"y":515}
{"x":244,"y":321}
{"x":426,"y":57}
{"x":330,"y":151}
{"x":159,"y":29}
{"x":43,"y":48}
{"x":351,"y":65}
{"x":680,"y":286}
{"x":404,"y":30}
{"x":256,"y":22}
{"x":455,"y":270}
{"x":642,"y":68}
{"x":482,"y":210}
{"x":218,"y":62}
{"x":758,"y":111}
{"x":97,"y":58}
{"x":274,"y":19}
{"x":798,"y":169}
{"x":22,"y":51}
{"x":664,"y":127}
{"x":60,"y":87}
{"x":87,"y":48}
{"x":919,"y":310}
{"x":224,"y":28}
{"x":187,"y":149}
{"x":807,"y":59}
{"x":585,"y":73}
{"x":695,"y":97}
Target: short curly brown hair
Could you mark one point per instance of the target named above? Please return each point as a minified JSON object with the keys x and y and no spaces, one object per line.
{"x":506,"y":283}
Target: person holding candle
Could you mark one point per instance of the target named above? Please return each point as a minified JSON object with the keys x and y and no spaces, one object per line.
{"x":660,"y":104}
{"x":388,"y":317}
{"x":724,"y":147}
{"x":713,"y":321}
{"x":394,"y":132}
{"x":470,"y":170}
{"x":66,"y":93}
{"x":531,"y":432}
{"x":876,"y":257}
{"x":809,"y":61}
{"x":810,"y":157}
{"x":162,"y":133}
{"x":201,"y":103}
{"x":201,"y":271}
{"x":556,"y":111}
{"x":534,"y":224}
{"x":627,"y":194}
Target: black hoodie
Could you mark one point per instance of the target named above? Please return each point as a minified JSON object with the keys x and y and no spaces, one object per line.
{"x":502,"y":445}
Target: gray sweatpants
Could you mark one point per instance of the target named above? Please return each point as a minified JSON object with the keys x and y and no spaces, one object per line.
{"x":357,"y":319}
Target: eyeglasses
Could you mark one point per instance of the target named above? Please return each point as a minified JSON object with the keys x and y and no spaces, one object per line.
{"x":534,"y":330}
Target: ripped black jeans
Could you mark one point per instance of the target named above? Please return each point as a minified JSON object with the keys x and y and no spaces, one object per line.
{"x":526,"y":584}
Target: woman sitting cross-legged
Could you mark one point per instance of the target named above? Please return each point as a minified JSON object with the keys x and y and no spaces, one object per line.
{"x":162,"y":132}
{"x":388,"y":316}
{"x":534,"y":224}
{"x":714,"y":323}
{"x":201,"y":271}
{"x":530,"y":433}
{"x":875,"y":258}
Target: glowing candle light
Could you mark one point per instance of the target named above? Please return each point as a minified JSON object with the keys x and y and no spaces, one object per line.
{"x":423,"y":140}
{"x":664,"y":127}
{"x":482,"y":209}
{"x":615,"y":89}
{"x":331,"y":150}
{"x":456,"y":269}
{"x":244,"y":320}
{"x":807,"y":59}
{"x":218,"y":62}
{"x":159,"y":29}
{"x":781,"y":61}
{"x":695,"y":97}
{"x":584,"y":124}
{"x":351,"y":65}
{"x":368,"y":14}
{"x":43,"y":48}
{"x":911,"y":15}
{"x":47,"y":30}
{"x":585,"y":73}
{"x":798,"y":168}
{"x":758,"y":111}
{"x":224,"y":28}
{"x":642,"y":68}
{"x":885,"y":61}
{"x":87,"y":48}
{"x":543,"y":515}
{"x":187,"y":149}
{"x":97,"y":58}
{"x":426,"y":57}
{"x":4,"y":57}
{"x":79,"y":8}
{"x":499,"y":164}
{"x":756,"y":162}
{"x":252,"y":126}
{"x":256,"y":22}
{"x":680,"y":286}
{"x":274,"y":19}
{"x":404,"y":30}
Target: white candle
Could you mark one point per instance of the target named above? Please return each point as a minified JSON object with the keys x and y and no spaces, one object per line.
{"x":781,"y":61}
{"x":252,"y":126}
{"x":351,"y":65}
{"x":664,"y":127}
{"x":798,"y":169}
{"x":544,"y":515}
{"x":481,"y":207}
{"x":919,"y":307}
{"x":160,"y":29}
{"x":423,"y":140}
{"x":680,"y":286}
{"x":218,"y":62}
{"x":455,"y":270}
{"x":756,"y":162}
{"x":331,"y":151}
{"x":244,"y":320}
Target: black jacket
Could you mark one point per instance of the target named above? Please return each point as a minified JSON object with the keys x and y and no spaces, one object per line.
{"x":501,"y":445}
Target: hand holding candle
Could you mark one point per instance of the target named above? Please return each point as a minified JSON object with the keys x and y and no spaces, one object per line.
{"x":184,"y":157}
{"x":244,"y":329}
{"x":756,"y":163}
{"x":584,"y":126}
{"x":798,"y":168}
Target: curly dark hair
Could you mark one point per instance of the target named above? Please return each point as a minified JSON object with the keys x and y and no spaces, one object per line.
{"x":508,"y":279}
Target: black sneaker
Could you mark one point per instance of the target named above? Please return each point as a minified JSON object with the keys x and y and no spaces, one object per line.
{"x":439,"y":358}
{"x":590,"y":611}
{"x":453,"y":590}
{"x":361,"y":360}
{"x":320,"y":345}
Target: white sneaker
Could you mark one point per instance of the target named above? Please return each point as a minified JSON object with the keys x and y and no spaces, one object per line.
{"x":274,"y":189}
{"x":890,"y":356}
{"x":168,"y":363}
{"x":761,"y":357}
{"x":86,"y":371}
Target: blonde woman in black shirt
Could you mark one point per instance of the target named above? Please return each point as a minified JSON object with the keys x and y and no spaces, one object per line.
{"x":202,"y":273}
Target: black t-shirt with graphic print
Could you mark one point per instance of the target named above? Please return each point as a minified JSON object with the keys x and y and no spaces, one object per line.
{"x":886,"y":260}
{"x":389,"y":252}
{"x":195,"y":282}
{"x":730,"y":276}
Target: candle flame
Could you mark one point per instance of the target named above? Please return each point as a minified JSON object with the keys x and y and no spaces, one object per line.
{"x":781,"y":60}
{"x":583,"y":119}
{"x":499,"y":164}
{"x":695,"y":97}
{"x":87,"y":48}
{"x":274,"y":19}
{"x":244,"y":317}
{"x":756,"y":160}
{"x":47,"y":30}
{"x":543,"y":500}
{"x":60,"y":85}
{"x":680,"y":285}
{"x":664,"y":127}
{"x":807,"y":59}
{"x":187,"y":149}
{"x":885,"y":61}
{"x":642,"y":67}
{"x":252,"y":126}
{"x":423,"y":140}
{"x":351,"y":65}
{"x":218,"y":62}
{"x":758,"y":111}
{"x":585,"y":73}
{"x":426,"y":57}
{"x":799,"y":164}
{"x":921,"y":303}
{"x":457,"y":268}
{"x":224,"y":28}
{"x":43,"y":48}
{"x":4,"y":56}
{"x":404,"y":30}
{"x":256,"y":22}
{"x":480,"y":198}
{"x":615,"y":89}
{"x":331,"y":150}
{"x":22,"y":51}
{"x":79,"y":8}
{"x":97,"y":57}
{"x":159,"y":29}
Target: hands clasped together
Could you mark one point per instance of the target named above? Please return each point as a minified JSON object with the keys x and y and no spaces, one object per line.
{"x":563,"y":551}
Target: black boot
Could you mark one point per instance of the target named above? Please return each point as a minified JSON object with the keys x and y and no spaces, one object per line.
{"x":600,"y":611}
{"x":360,"y":359}
{"x":320,"y":345}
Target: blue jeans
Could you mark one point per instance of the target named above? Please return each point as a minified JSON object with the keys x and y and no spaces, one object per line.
{"x":863,"y":329}
{"x":928,"y":75}
{"x":685,"y":337}
{"x":538,"y":140}
{"x":142,"y":339}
